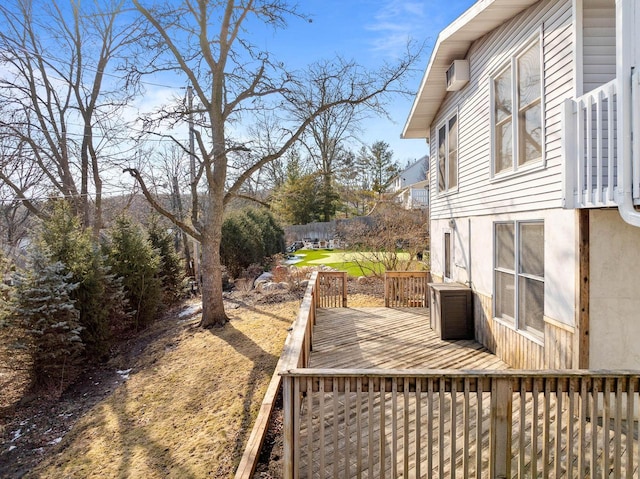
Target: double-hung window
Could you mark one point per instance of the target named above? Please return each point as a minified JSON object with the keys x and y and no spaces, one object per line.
{"x":517,"y":111}
{"x":519,"y":274}
{"x":447,"y":142}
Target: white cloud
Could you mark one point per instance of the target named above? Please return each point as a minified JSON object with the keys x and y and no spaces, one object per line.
{"x":396,"y":23}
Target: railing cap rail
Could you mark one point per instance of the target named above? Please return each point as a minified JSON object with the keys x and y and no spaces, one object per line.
{"x":458,"y":373}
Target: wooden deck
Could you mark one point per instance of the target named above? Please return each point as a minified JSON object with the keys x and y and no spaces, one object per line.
{"x":360,"y":425}
{"x":388,"y":338}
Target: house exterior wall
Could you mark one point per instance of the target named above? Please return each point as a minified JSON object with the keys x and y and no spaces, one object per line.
{"x":412,"y":174}
{"x":477,"y":192}
{"x":599,"y":43}
{"x":614,"y":308}
{"x":476,"y":235}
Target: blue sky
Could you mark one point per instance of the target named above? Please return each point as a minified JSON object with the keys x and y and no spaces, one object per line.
{"x":368,"y":31}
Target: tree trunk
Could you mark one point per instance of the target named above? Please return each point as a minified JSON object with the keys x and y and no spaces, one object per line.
{"x":213,"y":314}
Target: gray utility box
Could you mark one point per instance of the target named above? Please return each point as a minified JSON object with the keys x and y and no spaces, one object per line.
{"x":451,"y":311}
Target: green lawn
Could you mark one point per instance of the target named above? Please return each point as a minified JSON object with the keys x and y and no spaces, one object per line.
{"x":339,"y":259}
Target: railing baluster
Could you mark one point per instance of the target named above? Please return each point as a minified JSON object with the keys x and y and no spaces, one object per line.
{"x":479,"y":428}
{"x":359,"y":407}
{"x":441,"y":415}
{"x":370,"y":422}
{"x":611,"y":151}
{"x":452,"y":433}
{"x":535,"y":398}
{"x":630,"y":426}
{"x":599,"y":170}
{"x":405,"y":443}
{"x":394,"y":428}
{"x":430,"y":427}
{"x":570,"y":426}
{"x":418,"y":429}
{"x":466,"y":424}
{"x":617,"y":431}
{"x":321,"y":416}
{"x":594,"y":432}
{"x":382,"y":438}
{"x":523,"y":424}
{"x":309,"y":428}
{"x":336,"y":425}
{"x":582,"y":424}
{"x":606,"y":416}
{"x":558,"y":440}
{"x":545,"y":427}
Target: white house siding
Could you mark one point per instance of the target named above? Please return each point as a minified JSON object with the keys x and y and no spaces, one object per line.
{"x":477,"y":193}
{"x":599,"y":43}
{"x":477,"y":231}
{"x":614,"y":308}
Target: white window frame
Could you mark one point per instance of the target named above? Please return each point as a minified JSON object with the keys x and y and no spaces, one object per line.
{"x":451,"y":262}
{"x":515,"y":322}
{"x":512,"y":66}
{"x":445,"y":123}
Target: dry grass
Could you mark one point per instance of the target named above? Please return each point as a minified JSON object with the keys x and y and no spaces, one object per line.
{"x":188,"y":407}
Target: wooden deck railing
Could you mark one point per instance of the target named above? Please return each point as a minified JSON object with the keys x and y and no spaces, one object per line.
{"x":409,"y":423}
{"x":331,"y":289}
{"x":370,"y":423}
{"x":406,"y":289}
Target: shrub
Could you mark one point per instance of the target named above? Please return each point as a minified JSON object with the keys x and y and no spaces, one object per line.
{"x":248,"y":237}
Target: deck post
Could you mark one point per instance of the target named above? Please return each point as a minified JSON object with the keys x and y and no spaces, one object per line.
{"x":500,"y":432}
{"x":288,"y":410}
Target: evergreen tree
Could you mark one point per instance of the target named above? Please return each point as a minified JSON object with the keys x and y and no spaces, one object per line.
{"x":171,"y":267}
{"x":133,"y":260}
{"x":67,"y":242}
{"x":44,"y":310}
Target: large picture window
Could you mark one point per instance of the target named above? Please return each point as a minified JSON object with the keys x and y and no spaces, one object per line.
{"x":448,"y":155}
{"x":519,"y":274}
{"x":517,"y":111}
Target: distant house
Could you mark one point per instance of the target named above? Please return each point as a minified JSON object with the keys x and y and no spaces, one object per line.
{"x":411,"y":187}
{"x":532,"y":113}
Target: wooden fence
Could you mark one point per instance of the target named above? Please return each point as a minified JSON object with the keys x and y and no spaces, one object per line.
{"x":406,"y":289}
{"x":331,"y":289}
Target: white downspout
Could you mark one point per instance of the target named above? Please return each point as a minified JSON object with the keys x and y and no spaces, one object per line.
{"x":628,"y":117}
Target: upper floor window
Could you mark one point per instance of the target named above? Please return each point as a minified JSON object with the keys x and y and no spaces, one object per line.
{"x":517,"y":111}
{"x":447,"y":142}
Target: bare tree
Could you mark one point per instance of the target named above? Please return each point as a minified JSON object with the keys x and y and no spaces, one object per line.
{"x":232,"y":80}
{"x":61,"y":93}
{"x":394,"y":241}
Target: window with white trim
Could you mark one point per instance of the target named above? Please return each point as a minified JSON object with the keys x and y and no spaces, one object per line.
{"x":517,"y":111}
{"x":519,"y":274}
{"x":447,"y":142}
{"x":447,"y":255}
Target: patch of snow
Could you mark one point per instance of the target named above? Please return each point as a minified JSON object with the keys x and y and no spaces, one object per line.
{"x":55,"y":441}
{"x":190,"y":311}
{"x":124,"y":373}
{"x":16,"y":435}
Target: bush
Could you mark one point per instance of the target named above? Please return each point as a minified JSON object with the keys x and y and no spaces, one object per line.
{"x":44,"y":311}
{"x":134,"y":262}
{"x":248,"y":237}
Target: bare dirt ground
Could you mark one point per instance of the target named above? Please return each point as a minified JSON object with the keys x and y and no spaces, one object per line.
{"x":174,"y":401}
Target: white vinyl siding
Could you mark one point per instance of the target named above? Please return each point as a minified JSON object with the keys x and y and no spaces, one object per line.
{"x":598,"y":43}
{"x":477,"y":194}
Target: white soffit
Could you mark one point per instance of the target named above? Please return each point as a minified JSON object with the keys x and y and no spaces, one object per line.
{"x":452,"y":44}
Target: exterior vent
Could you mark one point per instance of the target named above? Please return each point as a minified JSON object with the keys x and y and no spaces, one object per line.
{"x":457,"y":75}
